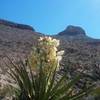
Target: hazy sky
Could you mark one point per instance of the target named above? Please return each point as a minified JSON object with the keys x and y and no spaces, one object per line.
{"x":53,"y":16}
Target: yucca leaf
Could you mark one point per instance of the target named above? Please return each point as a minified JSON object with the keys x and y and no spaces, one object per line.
{"x":51,"y":75}
{"x":15,"y":76}
{"x":56,"y":86}
{"x":82,"y":93}
{"x":27,"y":79}
{"x":65,"y":88}
{"x":96,"y":91}
{"x":20,"y":71}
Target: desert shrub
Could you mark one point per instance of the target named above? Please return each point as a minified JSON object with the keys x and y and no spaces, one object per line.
{"x":36,"y":76}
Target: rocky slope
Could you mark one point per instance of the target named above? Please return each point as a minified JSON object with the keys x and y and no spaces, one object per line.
{"x":17,"y":39}
{"x":78,"y":46}
{"x":81,"y":52}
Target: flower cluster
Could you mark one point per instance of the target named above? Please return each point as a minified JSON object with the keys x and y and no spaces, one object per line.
{"x":45,"y":54}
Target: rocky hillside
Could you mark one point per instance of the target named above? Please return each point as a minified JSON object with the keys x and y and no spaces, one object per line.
{"x":17,"y":39}
{"x":81,"y":52}
{"x":78,"y":46}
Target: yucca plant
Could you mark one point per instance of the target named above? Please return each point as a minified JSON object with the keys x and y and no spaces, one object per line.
{"x":36,"y":78}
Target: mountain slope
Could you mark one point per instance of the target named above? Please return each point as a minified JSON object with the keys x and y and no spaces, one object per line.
{"x":18,"y":39}
{"x":82,"y":53}
{"x":80,"y":50}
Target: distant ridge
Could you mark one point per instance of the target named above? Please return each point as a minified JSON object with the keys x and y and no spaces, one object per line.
{"x":16,"y":25}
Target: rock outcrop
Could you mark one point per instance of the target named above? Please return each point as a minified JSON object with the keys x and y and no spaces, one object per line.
{"x":15,"y":25}
{"x":73,"y":31}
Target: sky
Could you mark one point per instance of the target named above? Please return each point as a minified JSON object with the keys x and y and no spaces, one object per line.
{"x":53,"y":16}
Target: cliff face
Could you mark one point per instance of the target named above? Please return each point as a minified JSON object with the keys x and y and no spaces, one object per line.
{"x":15,"y":25}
